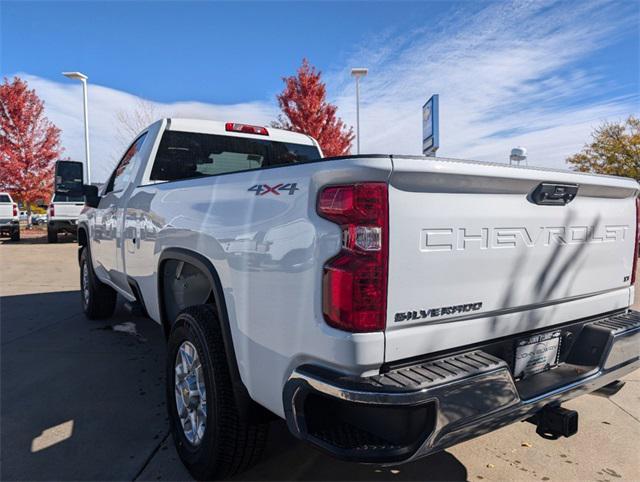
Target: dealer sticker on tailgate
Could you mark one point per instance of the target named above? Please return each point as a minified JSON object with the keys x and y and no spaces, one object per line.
{"x":536,"y":354}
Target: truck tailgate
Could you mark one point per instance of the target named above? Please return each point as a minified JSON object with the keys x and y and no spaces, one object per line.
{"x":6,"y":210}
{"x":68,"y":210}
{"x":473,"y":257}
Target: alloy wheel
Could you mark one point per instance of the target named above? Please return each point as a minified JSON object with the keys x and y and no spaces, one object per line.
{"x":190,"y":392}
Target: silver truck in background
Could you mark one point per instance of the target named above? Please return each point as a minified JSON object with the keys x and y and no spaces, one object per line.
{"x":385,"y":306}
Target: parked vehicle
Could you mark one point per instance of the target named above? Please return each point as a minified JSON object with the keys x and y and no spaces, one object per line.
{"x":387,"y":307}
{"x":9,"y":220}
{"x":38,"y":219}
{"x":64,"y":210}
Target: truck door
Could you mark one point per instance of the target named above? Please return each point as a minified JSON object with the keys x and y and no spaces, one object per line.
{"x":108,"y":235}
{"x":137,"y":245}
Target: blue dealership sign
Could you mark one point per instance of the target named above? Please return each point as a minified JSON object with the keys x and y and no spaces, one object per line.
{"x":430,"y":126}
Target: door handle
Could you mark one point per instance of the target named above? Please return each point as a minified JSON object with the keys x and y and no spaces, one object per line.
{"x":552,"y":194}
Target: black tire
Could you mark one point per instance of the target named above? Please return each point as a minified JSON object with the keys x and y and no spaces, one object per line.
{"x":229,"y":444}
{"x":52,"y":235}
{"x":15,"y":235}
{"x":98,"y":300}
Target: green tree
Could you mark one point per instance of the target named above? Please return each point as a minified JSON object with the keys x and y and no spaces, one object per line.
{"x":614,"y":150}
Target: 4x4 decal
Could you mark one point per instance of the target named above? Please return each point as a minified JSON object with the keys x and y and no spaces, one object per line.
{"x":263,"y":189}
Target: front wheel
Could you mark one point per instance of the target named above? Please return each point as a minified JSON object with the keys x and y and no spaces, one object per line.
{"x":211,"y":438}
{"x":98,"y":299}
{"x":15,"y":235}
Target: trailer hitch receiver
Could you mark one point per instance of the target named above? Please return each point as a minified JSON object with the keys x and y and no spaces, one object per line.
{"x":553,"y":422}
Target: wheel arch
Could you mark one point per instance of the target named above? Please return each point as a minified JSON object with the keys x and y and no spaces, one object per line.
{"x":83,"y":239}
{"x":203,"y":264}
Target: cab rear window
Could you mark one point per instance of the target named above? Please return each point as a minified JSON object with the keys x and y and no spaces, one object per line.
{"x":185,"y":155}
{"x":4,"y":198}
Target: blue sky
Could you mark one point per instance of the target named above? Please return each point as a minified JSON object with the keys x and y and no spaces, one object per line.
{"x":211,"y":52}
{"x":537,"y":73}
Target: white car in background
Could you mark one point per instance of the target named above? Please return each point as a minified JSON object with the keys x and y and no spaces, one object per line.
{"x":64,"y":210}
{"x":9,"y":222}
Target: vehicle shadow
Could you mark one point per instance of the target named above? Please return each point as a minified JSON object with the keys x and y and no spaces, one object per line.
{"x":80,"y":399}
{"x":287,"y":458}
{"x":39,"y":239}
{"x":103,"y":383}
{"x":562,"y":266}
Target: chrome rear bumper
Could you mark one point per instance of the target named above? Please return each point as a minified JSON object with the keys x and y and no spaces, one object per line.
{"x":416,"y":410}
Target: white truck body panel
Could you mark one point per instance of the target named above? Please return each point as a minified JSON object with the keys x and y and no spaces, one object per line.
{"x":465,"y":233}
{"x":6,"y":208}
{"x":273,"y":298}
{"x":66,"y":210}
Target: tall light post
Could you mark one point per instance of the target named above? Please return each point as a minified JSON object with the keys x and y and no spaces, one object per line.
{"x":357,"y":73}
{"x":83,"y":78}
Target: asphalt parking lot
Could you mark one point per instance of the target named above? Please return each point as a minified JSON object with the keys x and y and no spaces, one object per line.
{"x":84,"y":400}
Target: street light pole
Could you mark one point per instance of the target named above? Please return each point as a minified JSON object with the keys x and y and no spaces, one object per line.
{"x":83,"y":78}
{"x":357,"y":73}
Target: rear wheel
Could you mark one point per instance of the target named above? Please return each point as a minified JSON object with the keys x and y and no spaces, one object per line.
{"x":212,"y":439}
{"x":52,"y":235}
{"x":15,"y":235}
{"x":98,"y":299}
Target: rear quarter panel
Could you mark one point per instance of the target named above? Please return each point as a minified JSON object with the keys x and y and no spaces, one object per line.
{"x":268,"y":249}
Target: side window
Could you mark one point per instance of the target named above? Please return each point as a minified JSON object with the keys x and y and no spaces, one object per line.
{"x":126,"y":167}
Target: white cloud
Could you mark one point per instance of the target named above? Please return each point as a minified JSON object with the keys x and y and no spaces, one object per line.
{"x":507,"y":75}
{"x":63,"y":106}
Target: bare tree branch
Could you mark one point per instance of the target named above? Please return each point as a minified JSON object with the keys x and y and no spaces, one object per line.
{"x":132,"y":121}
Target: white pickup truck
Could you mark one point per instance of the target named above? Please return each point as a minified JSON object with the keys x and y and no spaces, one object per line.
{"x":63,"y":213}
{"x":9,"y":218}
{"x":386,"y":306}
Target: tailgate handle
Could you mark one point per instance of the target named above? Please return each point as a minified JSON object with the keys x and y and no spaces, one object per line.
{"x":552,"y":194}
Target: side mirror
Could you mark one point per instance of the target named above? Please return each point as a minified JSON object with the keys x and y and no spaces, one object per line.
{"x":69,"y":178}
{"x":91,"y":196}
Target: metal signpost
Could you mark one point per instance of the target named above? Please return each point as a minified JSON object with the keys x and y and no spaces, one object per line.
{"x":357,"y":73}
{"x":430,"y":126}
{"x":83,"y":78}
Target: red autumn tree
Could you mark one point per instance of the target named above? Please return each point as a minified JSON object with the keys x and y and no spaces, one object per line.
{"x":29,"y":143}
{"x":306,"y":110}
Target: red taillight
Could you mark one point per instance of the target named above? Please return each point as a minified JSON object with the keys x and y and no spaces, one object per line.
{"x":52,"y":210}
{"x":637,"y":241}
{"x":15,"y":209}
{"x":245,"y":128}
{"x":354,"y":284}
